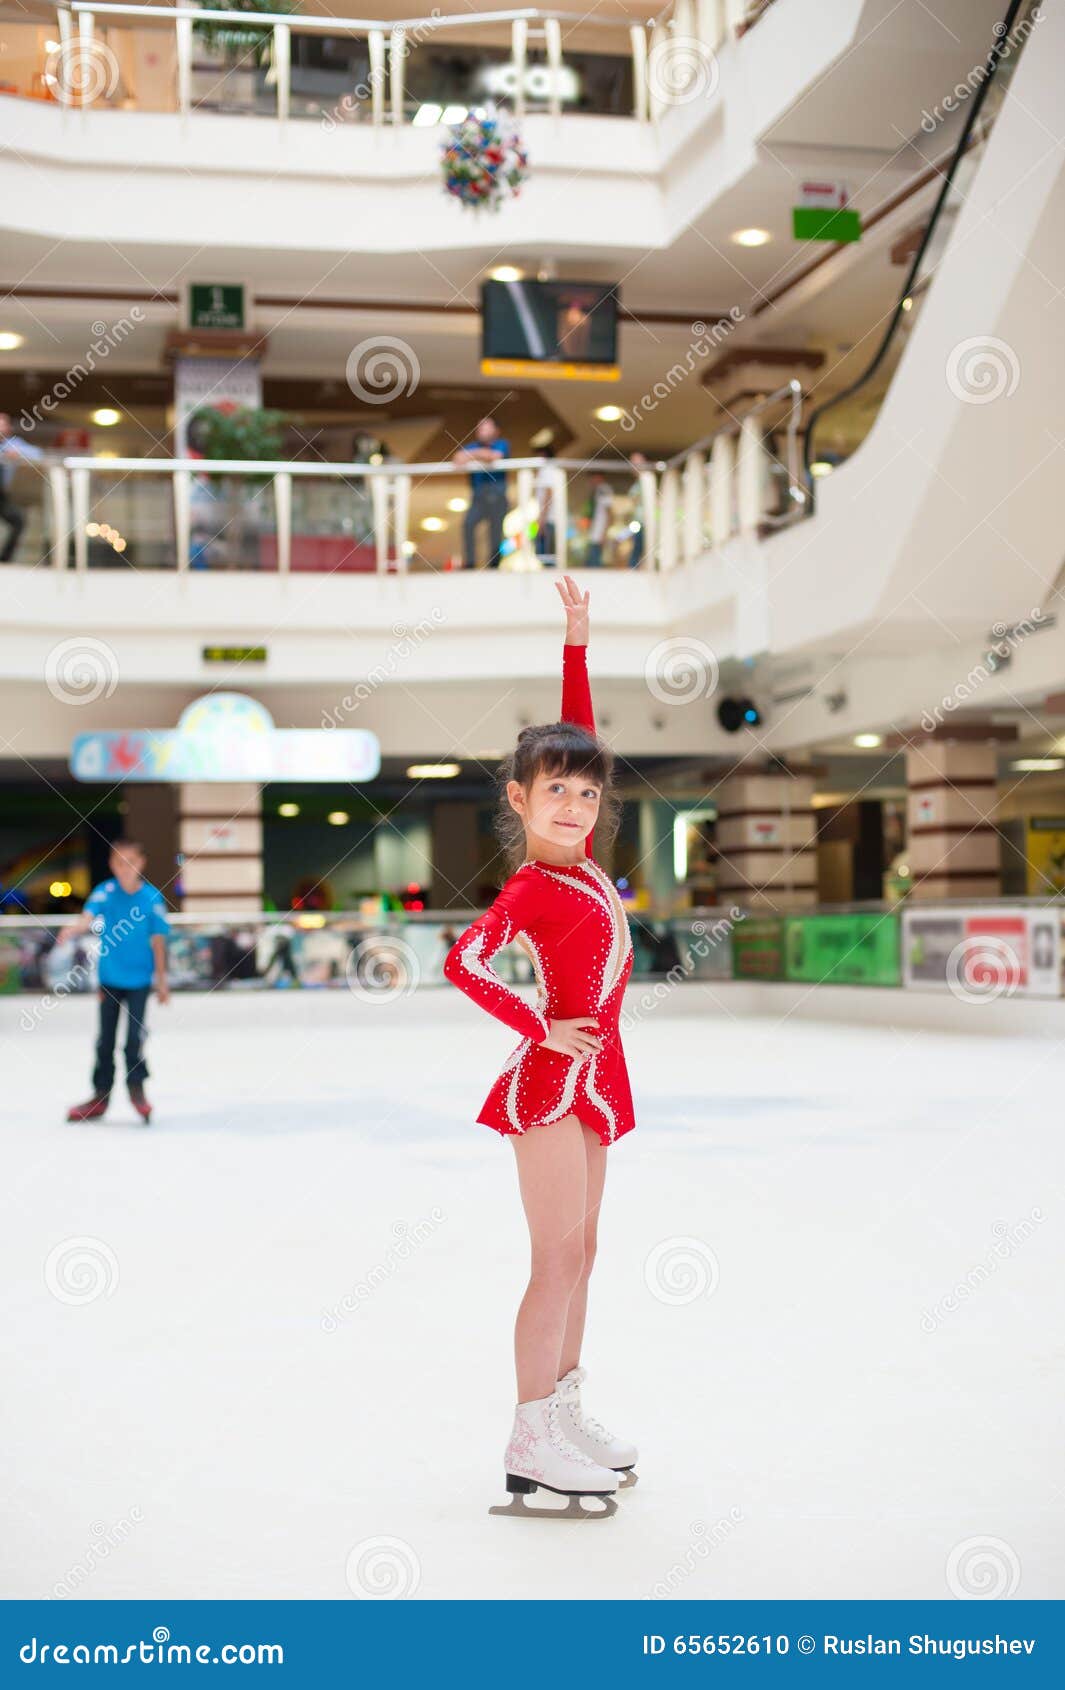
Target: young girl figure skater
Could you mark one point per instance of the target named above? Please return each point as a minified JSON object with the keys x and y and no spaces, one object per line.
{"x":562,"y":1097}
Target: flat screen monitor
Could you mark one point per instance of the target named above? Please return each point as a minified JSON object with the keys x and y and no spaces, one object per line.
{"x":568,"y":330}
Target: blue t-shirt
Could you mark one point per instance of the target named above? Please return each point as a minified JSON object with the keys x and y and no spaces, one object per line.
{"x":480,"y":474}
{"x":125,"y":923}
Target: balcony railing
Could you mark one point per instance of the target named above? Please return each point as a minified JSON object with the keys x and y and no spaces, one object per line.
{"x":419,"y":70}
{"x":280,"y":517}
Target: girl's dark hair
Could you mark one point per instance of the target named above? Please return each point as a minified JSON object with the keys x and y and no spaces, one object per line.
{"x":554,"y":748}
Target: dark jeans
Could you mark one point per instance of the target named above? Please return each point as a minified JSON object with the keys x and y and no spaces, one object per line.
{"x":15,"y":520}
{"x":545,"y":544}
{"x":636,"y":550}
{"x":488,"y":504}
{"x":112,"y":998}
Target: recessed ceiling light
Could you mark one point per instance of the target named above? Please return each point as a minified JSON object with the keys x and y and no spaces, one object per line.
{"x":10,"y":341}
{"x":609,"y":413}
{"x":868,"y":742}
{"x":433,"y":524}
{"x":337,"y":818}
{"x":820,"y":467}
{"x":1038,"y":765}
{"x":458,"y":504}
{"x":506,"y":273}
{"x":751,"y":237}
{"x":288,"y":809}
{"x":106,"y":417}
{"x":907,"y":305}
{"x":434,"y":771}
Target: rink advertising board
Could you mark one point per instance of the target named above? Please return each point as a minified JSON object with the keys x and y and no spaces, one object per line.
{"x":984,"y":952}
{"x":853,"y":948}
{"x":758,"y":949}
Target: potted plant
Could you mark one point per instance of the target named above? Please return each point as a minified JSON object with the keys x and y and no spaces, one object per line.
{"x":230,"y":512}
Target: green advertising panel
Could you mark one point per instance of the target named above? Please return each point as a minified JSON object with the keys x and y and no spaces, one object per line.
{"x":758,"y":949}
{"x":860,"y":948}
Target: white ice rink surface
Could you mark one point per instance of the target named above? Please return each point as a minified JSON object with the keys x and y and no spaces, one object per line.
{"x":204,"y":1428}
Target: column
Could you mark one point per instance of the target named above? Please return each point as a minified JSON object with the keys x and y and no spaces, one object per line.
{"x":656,"y":854}
{"x":952,"y":843}
{"x":455,"y":855}
{"x":766,"y":840}
{"x":221,"y":839}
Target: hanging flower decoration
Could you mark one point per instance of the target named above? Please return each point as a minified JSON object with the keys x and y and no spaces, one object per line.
{"x":484,"y":160}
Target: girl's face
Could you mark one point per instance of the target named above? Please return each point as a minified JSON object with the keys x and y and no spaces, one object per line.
{"x":558,"y":810}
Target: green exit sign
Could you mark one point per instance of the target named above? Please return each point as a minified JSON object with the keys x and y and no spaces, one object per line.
{"x":216,"y":305}
{"x":234,"y":654}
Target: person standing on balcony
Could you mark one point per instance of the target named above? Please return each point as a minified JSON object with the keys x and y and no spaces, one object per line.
{"x":13,"y":450}
{"x":601,"y":509}
{"x":129,"y":915}
{"x":639,"y":515}
{"x":544,"y":491}
{"x":483,"y":457}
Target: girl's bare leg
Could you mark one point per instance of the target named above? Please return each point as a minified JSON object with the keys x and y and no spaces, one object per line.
{"x":595,"y":1152}
{"x":552,"y":1175}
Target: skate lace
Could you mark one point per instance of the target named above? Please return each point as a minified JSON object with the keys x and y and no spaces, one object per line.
{"x":559,"y":1438}
{"x":569,"y":1390}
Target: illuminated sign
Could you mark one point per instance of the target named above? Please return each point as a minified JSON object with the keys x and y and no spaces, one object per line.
{"x":226,"y":736}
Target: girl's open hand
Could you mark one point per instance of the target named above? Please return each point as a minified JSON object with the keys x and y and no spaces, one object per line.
{"x":570,"y":1038}
{"x":576,"y":604}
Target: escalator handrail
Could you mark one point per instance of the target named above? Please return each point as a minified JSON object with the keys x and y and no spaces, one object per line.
{"x":997,"y":52}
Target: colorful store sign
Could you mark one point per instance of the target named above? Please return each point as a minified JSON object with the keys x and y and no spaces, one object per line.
{"x":858,"y":948}
{"x":1045,"y":851}
{"x":981,"y":954}
{"x":758,"y":949}
{"x":225,"y":737}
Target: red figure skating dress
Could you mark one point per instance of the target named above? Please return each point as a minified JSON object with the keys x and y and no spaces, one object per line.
{"x":571,"y":924}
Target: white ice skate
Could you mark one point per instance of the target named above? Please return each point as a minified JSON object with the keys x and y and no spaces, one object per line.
{"x":590,"y":1437}
{"x":539,"y":1455}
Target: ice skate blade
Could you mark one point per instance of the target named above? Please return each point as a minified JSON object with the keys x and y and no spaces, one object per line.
{"x":602,"y":1507}
{"x":627,"y":1477}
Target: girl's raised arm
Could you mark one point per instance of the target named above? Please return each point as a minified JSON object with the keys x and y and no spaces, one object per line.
{"x":576,"y":689}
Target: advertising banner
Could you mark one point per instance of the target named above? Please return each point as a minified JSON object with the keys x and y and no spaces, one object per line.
{"x":858,"y":948}
{"x":984,"y":953}
{"x":758,"y":949}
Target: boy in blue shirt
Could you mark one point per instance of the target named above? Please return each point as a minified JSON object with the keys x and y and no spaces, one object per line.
{"x":129,"y":915}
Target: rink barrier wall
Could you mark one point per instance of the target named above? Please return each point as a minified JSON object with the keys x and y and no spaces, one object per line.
{"x":975,"y":952}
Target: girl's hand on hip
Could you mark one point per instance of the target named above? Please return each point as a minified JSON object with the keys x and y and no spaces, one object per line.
{"x":570,"y":1038}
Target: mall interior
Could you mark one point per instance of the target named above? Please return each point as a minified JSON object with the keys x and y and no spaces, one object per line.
{"x":762,"y":299}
